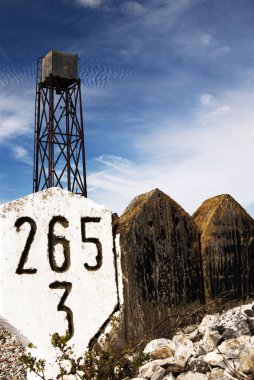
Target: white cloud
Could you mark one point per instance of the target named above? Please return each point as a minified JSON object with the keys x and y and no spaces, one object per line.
{"x":113,"y":161}
{"x":206,"y":99}
{"x":221,"y":111}
{"x":132,"y":8}
{"x":16,"y":115}
{"x":19,"y":152}
{"x":192,"y":161}
{"x":181,"y":5}
{"x":22,"y":154}
{"x":206,"y":39}
{"x":169,"y":10}
{"x":224,"y":50}
{"x":89,"y":3}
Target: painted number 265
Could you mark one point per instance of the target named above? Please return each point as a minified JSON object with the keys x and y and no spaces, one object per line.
{"x":53,"y":240}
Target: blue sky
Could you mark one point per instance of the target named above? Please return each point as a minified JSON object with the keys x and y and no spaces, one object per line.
{"x":168,"y":95}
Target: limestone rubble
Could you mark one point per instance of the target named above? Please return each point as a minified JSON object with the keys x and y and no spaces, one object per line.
{"x":221,"y":347}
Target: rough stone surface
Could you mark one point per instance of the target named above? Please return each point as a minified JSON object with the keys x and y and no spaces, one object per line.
{"x":230,"y":348}
{"x":10,"y":351}
{"x":213,"y":358}
{"x":226,"y":358}
{"x":218,"y":374}
{"x":162,"y":353}
{"x":198,"y":365}
{"x":158,"y":374}
{"x":208,"y":344}
{"x":149,"y":369}
{"x":169,"y":376}
{"x":160,"y":260}
{"x":227,"y":246}
{"x":247,"y":361}
{"x":158,"y":343}
{"x":192,"y":376}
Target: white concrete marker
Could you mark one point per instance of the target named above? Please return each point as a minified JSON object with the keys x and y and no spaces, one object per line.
{"x":57,"y":269}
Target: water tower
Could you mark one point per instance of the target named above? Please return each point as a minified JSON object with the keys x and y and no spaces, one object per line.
{"x":59,"y":151}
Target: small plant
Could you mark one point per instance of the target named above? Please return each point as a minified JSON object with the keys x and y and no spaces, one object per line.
{"x":114,"y":363}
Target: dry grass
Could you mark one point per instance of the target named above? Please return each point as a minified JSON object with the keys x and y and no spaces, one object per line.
{"x":188,"y":315}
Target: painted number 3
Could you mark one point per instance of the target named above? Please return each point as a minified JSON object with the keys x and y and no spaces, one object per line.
{"x":53,"y":240}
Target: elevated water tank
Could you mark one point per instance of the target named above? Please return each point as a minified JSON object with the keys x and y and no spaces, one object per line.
{"x":61,"y":66}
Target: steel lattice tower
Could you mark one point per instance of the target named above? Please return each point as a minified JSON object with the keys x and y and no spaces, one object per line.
{"x":59,"y":151}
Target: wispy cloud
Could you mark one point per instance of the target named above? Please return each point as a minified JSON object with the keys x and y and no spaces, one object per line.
{"x":206,"y":39}
{"x":207,"y":99}
{"x":208,"y":155}
{"x":135,"y":8}
{"x":115,"y":162}
{"x":100,"y":74}
{"x":16,"y":115}
{"x":132,"y":8}
{"x":90,"y":3}
{"x":221,"y":111}
{"x":15,"y":76}
{"x":22,"y":154}
{"x":156,"y":112}
{"x":223,"y":50}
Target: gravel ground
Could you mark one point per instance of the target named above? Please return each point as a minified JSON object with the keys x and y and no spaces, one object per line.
{"x":10,"y":351}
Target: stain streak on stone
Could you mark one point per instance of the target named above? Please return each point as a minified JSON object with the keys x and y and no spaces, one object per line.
{"x":160,"y":261}
{"x":227,"y":246}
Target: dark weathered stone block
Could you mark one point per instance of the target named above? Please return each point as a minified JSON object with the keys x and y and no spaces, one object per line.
{"x":227,"y":245}
{"x":160,"y":261}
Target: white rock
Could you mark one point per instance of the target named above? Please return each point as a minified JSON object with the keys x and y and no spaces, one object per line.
{"x":231,"y":366}
{"x":247,"y":361}
{"x":184,"y":353}
{"x":158,"y":373}
{"x":213,"y":358}
{"x":182,"y":339}
{"x":170,"y":364}
{"x":169,"y":376}
{"x":200,"y":356}
{"x":245,"y":341}
{"x":198,"y":365}
{"x":156,"y":343}
{"x":148,"y":369}
{"x":251,"y":341}
{"x":231,"y":318}
{"x":161,"y":353}
{"x":192,"y":376}
{"x":198,"y":349}
{"x":230,"y":348}
{"x":207,"y":322}
{"x":193,"y":335}
{"x":207,"y":343}
{"x":218,"y":374}
{"x":184,"y":348}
